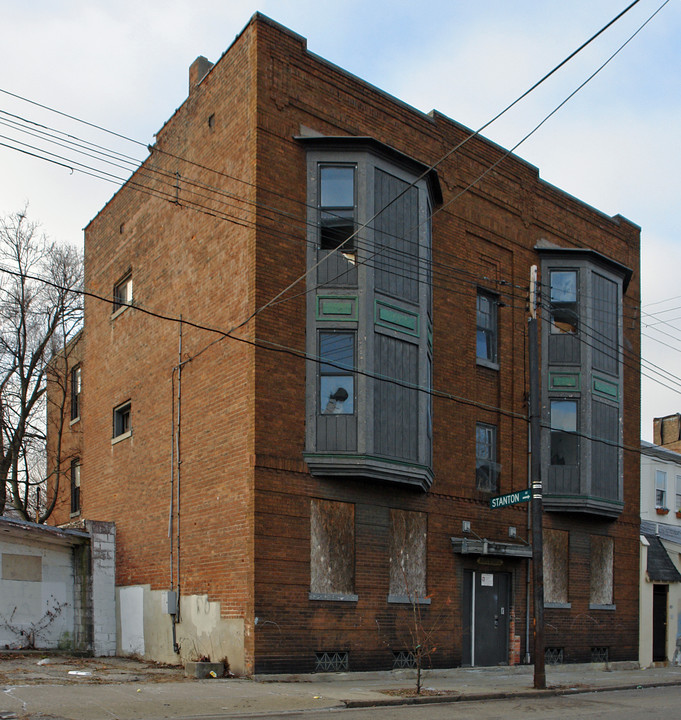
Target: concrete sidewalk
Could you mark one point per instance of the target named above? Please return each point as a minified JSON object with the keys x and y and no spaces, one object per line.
{"x":128,"y":692}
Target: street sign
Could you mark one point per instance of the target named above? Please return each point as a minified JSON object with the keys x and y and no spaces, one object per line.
{"x":511,"y":498}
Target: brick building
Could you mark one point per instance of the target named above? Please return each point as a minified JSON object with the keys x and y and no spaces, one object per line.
{"x":316,"y":491}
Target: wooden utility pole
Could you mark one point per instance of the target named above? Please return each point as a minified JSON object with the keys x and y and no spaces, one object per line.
{"x":536,"y":485}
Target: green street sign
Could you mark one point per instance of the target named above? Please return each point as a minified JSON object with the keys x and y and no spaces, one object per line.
{"x":511,"y":498}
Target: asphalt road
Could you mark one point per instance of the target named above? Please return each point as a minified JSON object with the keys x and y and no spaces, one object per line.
{"x":646,"y":704}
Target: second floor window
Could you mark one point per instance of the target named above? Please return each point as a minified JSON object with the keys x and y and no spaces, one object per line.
{"x":486,"y":467}
{"x":660,"y":489}
{"x":75,"y":392}
{"x":75,"y":487}
{"x":564,"y":438}
{"x":678,"y":493}
{"x":336,"y":373}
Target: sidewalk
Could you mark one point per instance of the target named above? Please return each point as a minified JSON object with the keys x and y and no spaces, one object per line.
{"x":129,"y":690}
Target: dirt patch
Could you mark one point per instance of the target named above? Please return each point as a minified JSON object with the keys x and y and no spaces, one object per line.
{"x":35,"y":668}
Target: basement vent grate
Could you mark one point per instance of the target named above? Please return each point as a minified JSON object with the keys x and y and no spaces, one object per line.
{"x":553,"y":655}
{"x":403,"y":659}
{"x":599,"y":654}
{"x":331,"y":662}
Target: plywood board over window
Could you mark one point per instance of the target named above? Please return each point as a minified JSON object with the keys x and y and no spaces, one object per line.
{"x":408,"y":533}
{"x":556,"y":567}
{"x":332,"y":550}
{"x":26,"y":568}
{"x":602,"y":552}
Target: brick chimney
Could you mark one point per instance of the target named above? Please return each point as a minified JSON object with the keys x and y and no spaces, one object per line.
{"x":198,"y":70}
{"x":667,"y":432}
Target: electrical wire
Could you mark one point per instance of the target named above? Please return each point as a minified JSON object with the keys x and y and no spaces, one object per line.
{"x":432,"y":167}
{"x":272,"y":346}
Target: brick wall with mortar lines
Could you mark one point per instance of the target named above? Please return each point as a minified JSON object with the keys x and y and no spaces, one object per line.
{"x":493,"y":229}
{"x":245,"y":487}
{"x":192,"y":264}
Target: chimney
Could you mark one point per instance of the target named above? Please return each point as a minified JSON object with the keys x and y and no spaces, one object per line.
{"x":198,"y":70}
{"x":667,"y":432}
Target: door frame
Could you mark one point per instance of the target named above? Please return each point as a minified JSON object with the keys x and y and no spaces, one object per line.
{"x":469,"y":608}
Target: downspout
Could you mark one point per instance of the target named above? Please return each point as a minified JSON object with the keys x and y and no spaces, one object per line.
{"x":178,"y":456}
{"x":175,"y":462}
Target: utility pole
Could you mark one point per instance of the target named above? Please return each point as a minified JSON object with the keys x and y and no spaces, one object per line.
{"x":536,"y":485}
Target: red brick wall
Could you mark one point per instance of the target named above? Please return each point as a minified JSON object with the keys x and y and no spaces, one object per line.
{"x":484,"y":238}
{"x":192,"y":259}
{"x":246,"y":491}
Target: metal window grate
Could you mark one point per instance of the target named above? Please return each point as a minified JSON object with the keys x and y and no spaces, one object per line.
{"x":553,"y":655}
{"x":403,"y":659}
{"x":599,"y":654}
{"x":331,"y":662}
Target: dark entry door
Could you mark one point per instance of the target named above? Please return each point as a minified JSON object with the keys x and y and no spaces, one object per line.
{"x":485,"y":621}
{"x":660,"y":622}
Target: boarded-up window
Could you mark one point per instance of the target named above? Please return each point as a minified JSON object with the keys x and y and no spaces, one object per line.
{"x":408,"y":531}
{"x":332,"y":548}
{"x":556,"y":566}
{"x":27,"y":568}
{"x":602,"y":552}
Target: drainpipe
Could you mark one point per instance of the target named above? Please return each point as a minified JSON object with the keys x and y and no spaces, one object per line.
{"x":173,"y":598}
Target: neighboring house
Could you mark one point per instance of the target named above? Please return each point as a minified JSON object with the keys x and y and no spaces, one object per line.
{"x":57,"y":587}
{"x":295,"y":484}
{"x":660,"y":612}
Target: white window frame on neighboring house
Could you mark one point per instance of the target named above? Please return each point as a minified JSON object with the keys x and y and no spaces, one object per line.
{"x":660,"y":489}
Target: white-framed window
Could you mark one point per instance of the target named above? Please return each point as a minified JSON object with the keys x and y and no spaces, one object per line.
{"x":122,"y":292}
{"x":122,"y":420}
{"x":486,"y":467}
{"x":486,"y":336}
{"x":75,"y":487}
{"x":660,"y":489}
{"x":677,"y":504}
{"x":75,"y":392}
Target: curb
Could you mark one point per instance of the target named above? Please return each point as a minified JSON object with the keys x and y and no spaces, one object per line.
{"x":476,"y":697}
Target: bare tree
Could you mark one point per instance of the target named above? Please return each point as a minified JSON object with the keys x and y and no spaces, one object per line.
{"x":41,"y":313}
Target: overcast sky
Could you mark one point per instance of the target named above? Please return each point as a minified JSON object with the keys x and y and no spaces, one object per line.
{"x":616,"y":145}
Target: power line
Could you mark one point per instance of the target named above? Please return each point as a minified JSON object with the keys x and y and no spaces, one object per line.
{"x":274,"y":347}
{"x":432,"y":167}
